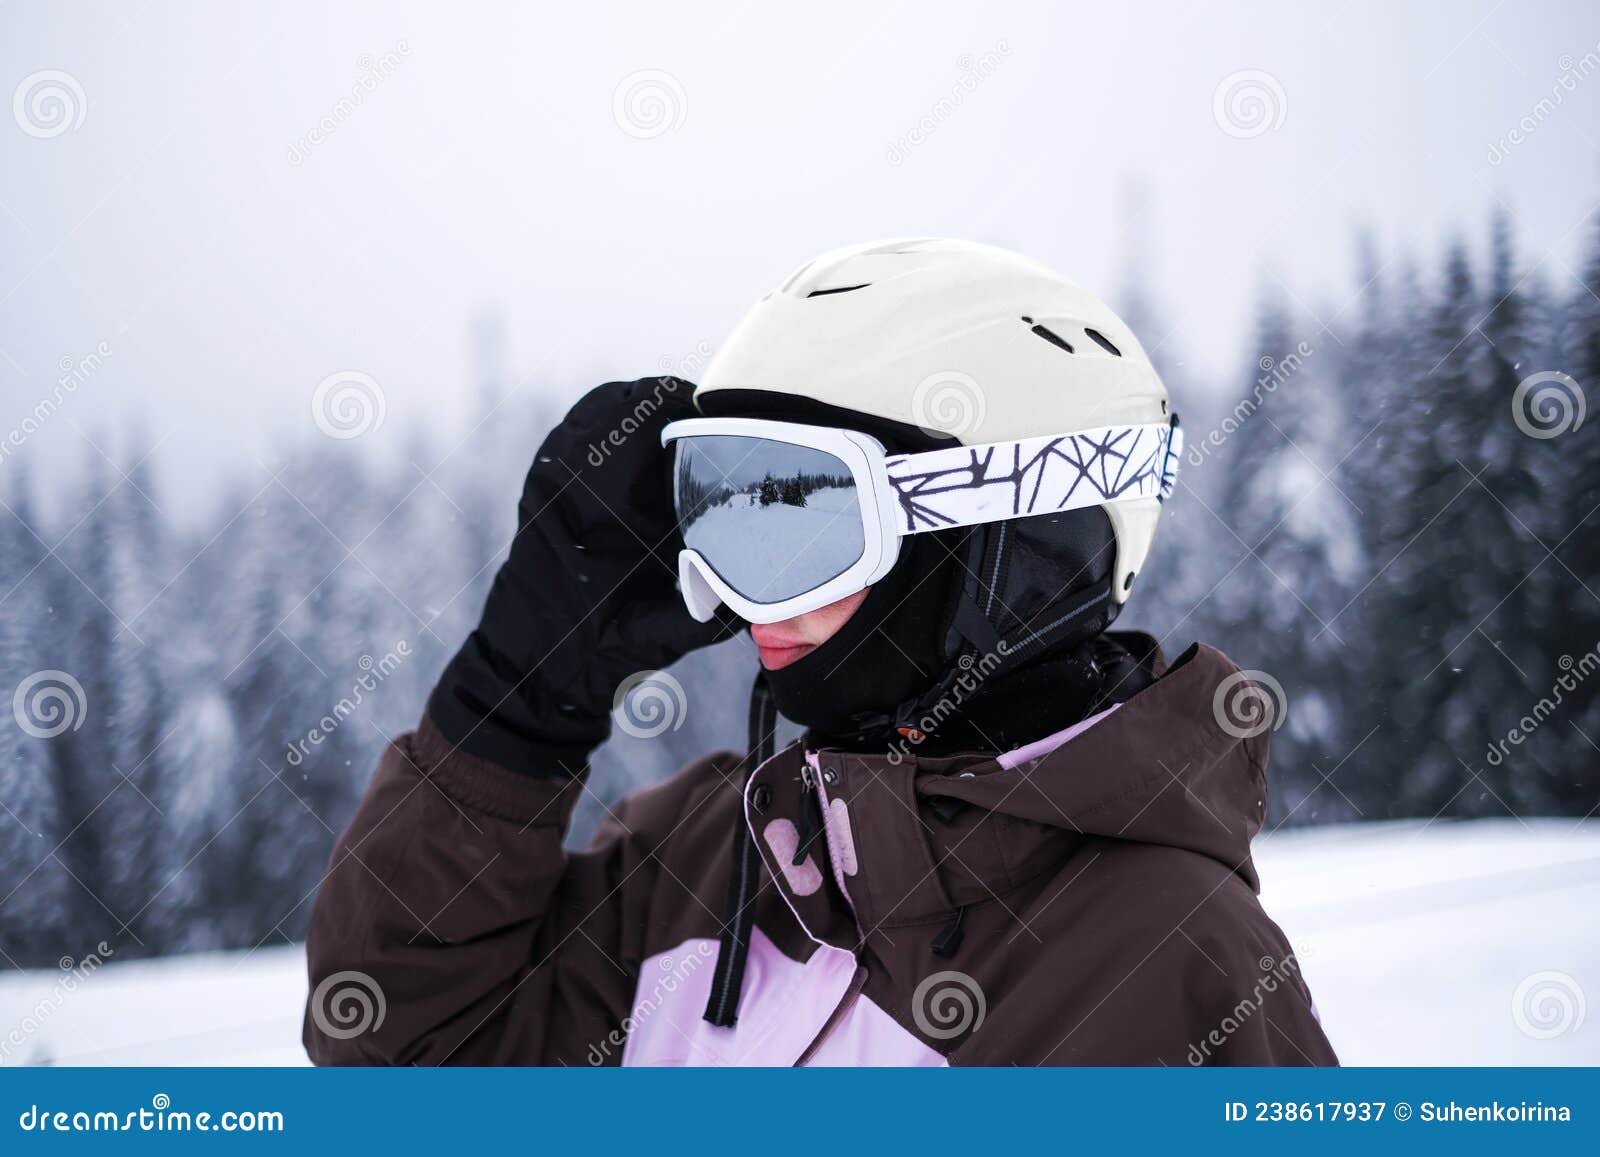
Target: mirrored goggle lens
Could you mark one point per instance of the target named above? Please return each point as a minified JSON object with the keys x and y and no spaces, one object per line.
{"x":774,"y":520}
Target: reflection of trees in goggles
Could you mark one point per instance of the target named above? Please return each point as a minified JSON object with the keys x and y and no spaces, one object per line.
{"x":712,"y":471}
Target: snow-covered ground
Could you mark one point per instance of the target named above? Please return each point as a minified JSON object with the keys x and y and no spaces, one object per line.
{"x":773,"y":552}
{"x":222,"y":1008}
{"x":1446,"y":943}
{"x":1439,"y":943}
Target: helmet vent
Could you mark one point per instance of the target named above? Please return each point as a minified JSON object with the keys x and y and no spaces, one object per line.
{"x":1103,"y":342}
{"x":1050,"y":336}
{"x":839,"y":289}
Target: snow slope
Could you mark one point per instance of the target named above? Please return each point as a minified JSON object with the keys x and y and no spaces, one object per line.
{"x":1415,"y":938}
{"x":775,"y":552}
{"x":223,"y":1008}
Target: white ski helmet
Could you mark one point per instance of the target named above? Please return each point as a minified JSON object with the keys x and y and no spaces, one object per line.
{"x":963,"y":340}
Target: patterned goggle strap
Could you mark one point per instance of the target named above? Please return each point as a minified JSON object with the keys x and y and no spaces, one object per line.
{"x":970,"y":485}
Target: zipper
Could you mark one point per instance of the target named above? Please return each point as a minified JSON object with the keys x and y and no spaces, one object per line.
{"x":810,"y":815}
{"x":813,"y":801}
{"x":840,"y":1011}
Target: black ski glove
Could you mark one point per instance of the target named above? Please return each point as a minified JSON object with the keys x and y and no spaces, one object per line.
{"x":588,"y":595}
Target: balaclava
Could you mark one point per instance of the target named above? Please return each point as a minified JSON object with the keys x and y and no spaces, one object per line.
{"x":899,"y":644}
{"x":890,"y":650}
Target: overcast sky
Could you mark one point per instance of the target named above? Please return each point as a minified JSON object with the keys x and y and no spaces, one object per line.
{"x":176,"y":204}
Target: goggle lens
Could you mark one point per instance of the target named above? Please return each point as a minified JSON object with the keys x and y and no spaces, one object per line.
{"x":773,"y":519}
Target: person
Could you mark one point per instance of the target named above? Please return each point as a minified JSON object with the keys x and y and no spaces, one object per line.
{"x":926,"y":474}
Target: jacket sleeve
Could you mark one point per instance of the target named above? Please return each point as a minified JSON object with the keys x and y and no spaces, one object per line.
{"x":452,"y":927}
{"x":1255,"y":1007}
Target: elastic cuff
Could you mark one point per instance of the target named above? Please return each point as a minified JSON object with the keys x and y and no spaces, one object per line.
{"x":512,"y":736}
{"x":486,"y":786}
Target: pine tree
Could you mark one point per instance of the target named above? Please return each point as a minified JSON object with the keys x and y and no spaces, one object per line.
{"x":137,"y":554}
{"x":1432,"y":544}
{"x":34,"y":891}
{"x":1304,"y":554}
{"x":117,"y":839}
{"x":1377,"y":361}
{"x":1572,"y":608}
{"x":1516,"y":663}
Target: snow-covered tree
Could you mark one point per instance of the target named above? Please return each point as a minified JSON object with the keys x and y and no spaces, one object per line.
{"x":35,"y":893}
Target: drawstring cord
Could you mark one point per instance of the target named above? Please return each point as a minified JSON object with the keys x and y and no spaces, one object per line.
{"x":722,"y":1006}
{"x":948,"y":942}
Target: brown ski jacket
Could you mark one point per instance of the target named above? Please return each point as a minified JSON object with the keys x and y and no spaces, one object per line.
{"x":1086,"y":900}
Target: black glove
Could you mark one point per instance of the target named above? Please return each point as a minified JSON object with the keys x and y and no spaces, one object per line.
{"x":588,"y":595}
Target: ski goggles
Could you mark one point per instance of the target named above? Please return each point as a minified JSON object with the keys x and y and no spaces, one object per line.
{"x":780,"y":518}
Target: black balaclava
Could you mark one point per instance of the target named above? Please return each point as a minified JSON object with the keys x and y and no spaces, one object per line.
{"x":899,"y":644}
{"x":890,"y":650}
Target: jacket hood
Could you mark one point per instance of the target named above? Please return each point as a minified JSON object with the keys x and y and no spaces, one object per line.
{"x":1170,"y":766}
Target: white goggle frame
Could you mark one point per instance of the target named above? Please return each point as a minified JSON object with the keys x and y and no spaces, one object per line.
{"x":954,"y":486}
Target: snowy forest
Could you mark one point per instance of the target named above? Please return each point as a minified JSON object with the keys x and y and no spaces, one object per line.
{"x":1391,"y":511}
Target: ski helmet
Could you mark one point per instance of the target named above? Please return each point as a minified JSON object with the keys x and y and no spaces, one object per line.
{"x":969,"y":343}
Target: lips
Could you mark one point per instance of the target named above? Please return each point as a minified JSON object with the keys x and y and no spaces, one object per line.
{"x":776,"y":658}
{"x":778,"y":648}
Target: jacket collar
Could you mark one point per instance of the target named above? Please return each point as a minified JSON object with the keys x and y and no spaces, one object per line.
{"x":910,"y":840}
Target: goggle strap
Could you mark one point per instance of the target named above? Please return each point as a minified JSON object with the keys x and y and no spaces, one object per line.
{"x":972,"y":485}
